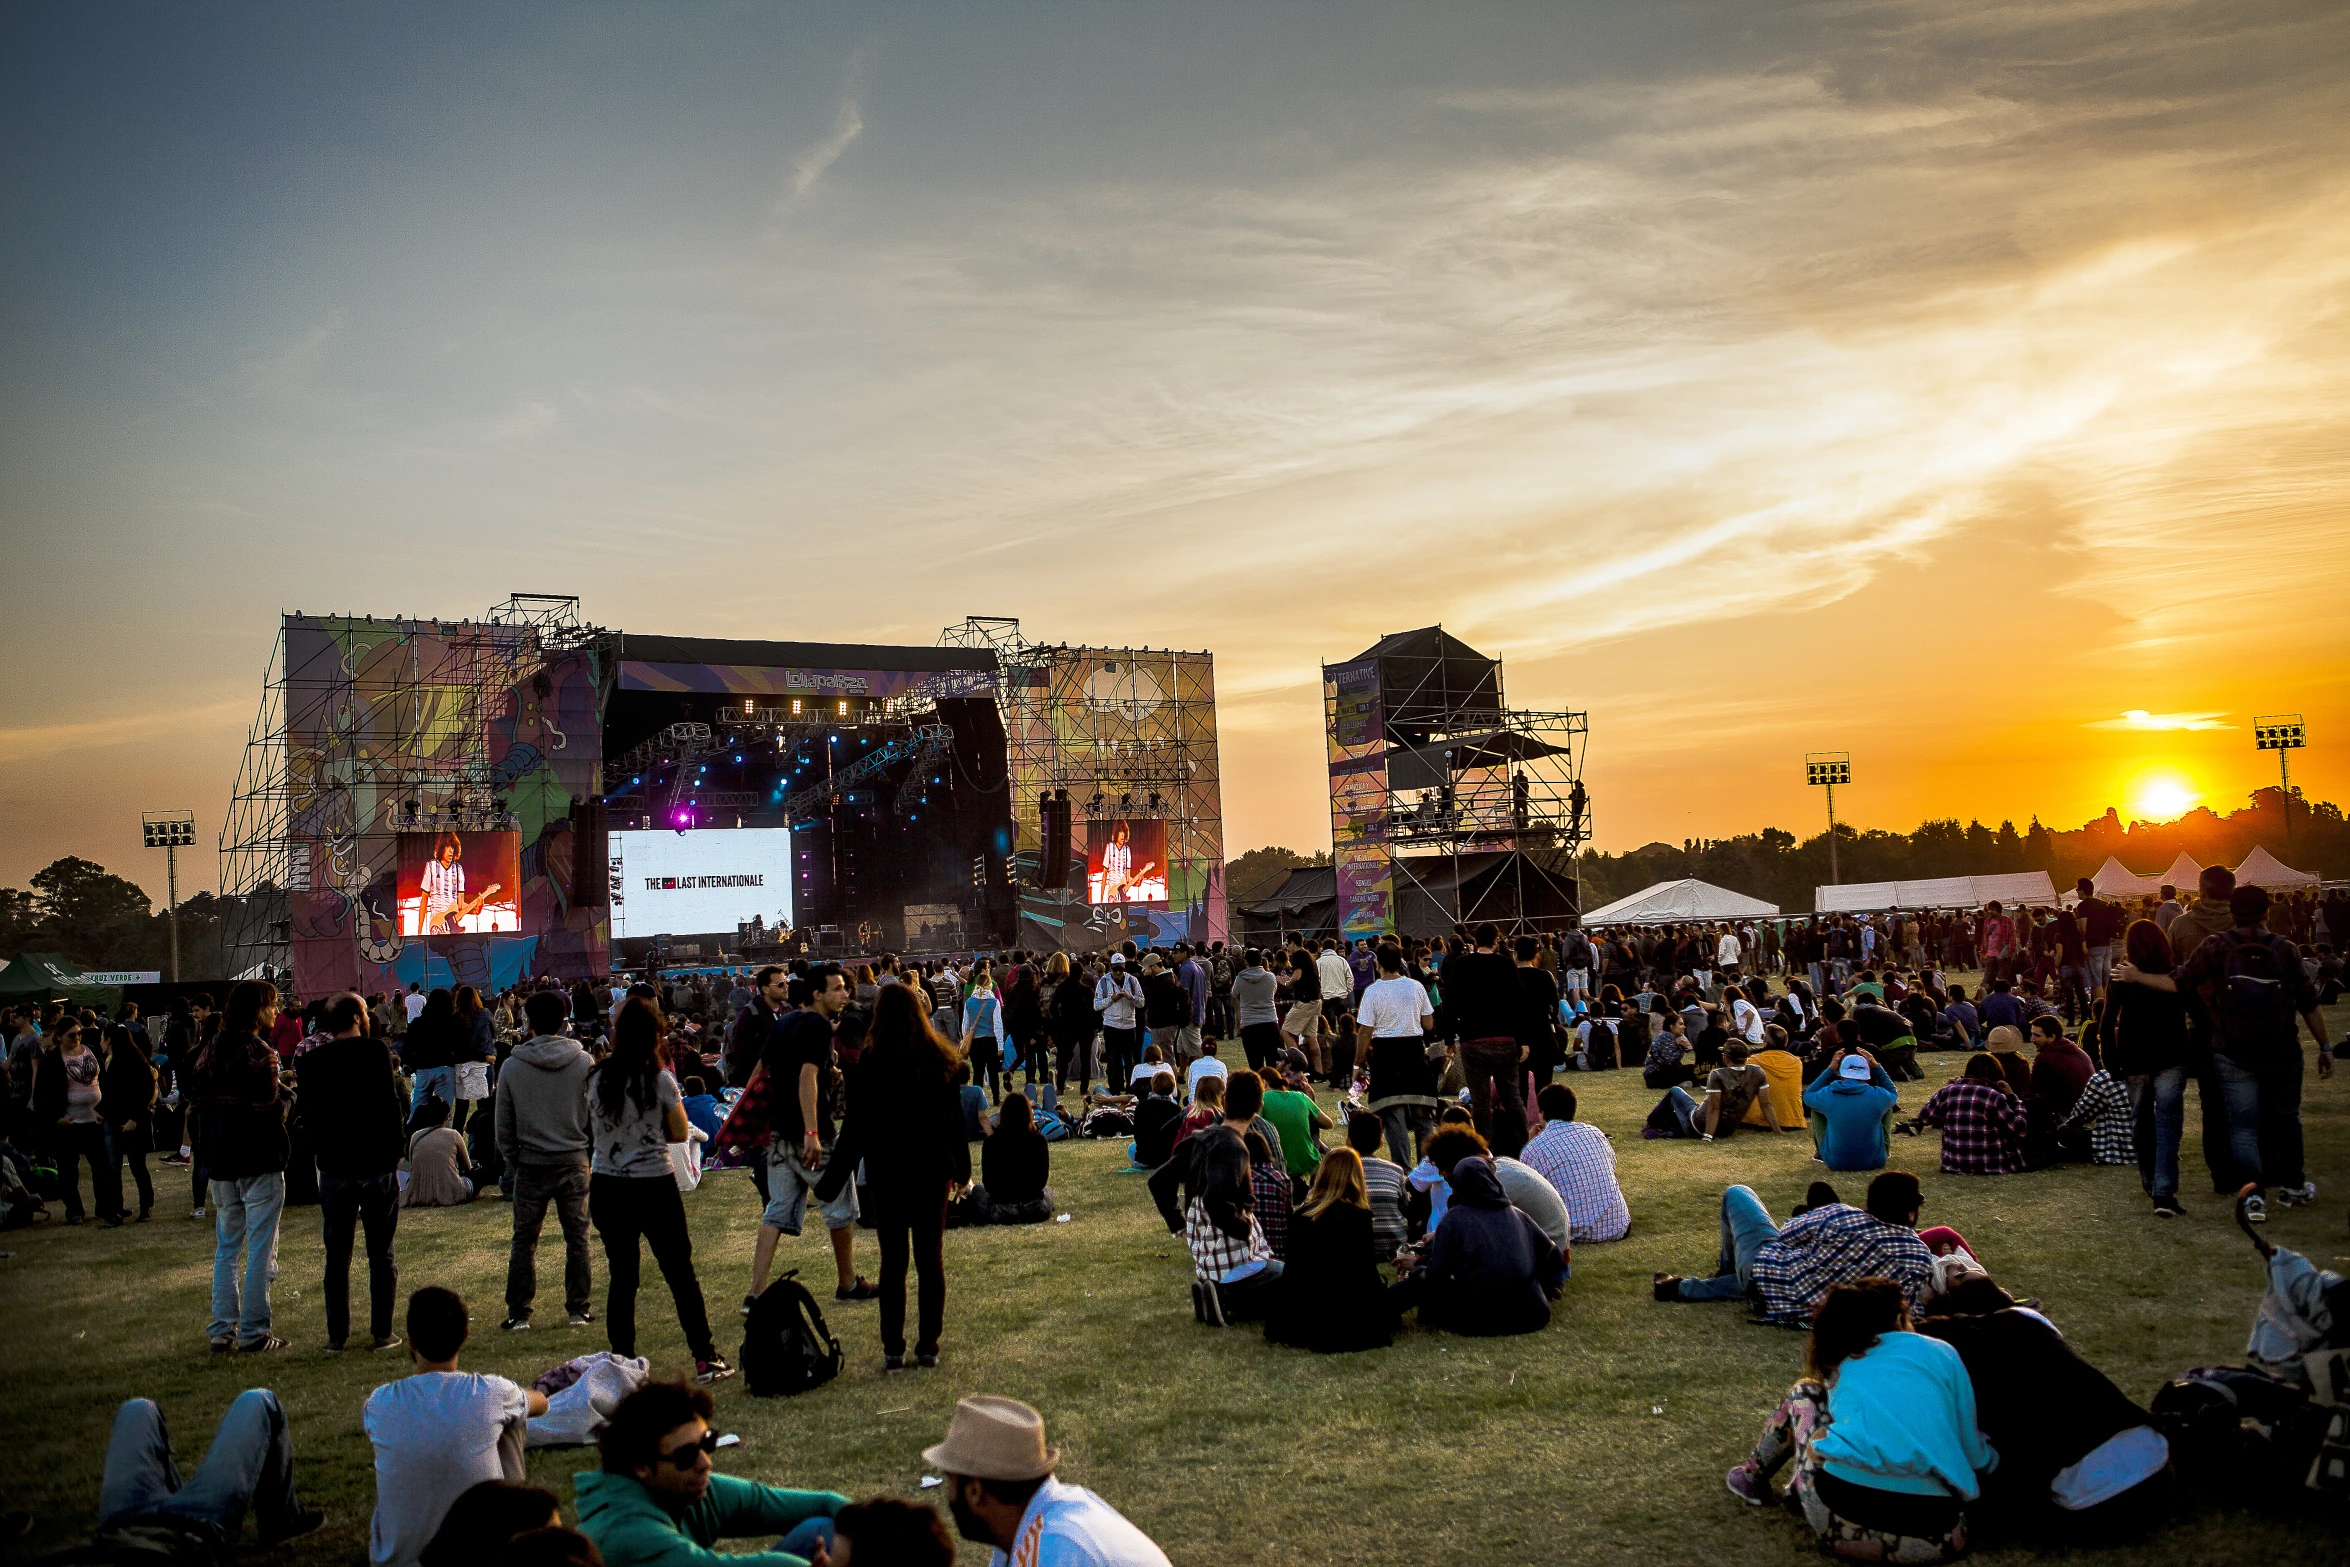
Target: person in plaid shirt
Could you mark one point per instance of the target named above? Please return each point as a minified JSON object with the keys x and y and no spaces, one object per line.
{"x":2105,"y":1113}
{"x":1269,"y":1185}
{"x":1787,"y":1271}
{"x":1580,"y":1163}
{"x":1983,"y":1121}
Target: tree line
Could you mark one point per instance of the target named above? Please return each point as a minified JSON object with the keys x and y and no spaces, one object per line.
{"x":98,"y":920}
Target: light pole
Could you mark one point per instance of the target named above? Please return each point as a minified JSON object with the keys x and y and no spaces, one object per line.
{"x":2283,"y":733}
{"x":1827,"y":769}
{"x":171,"y":831}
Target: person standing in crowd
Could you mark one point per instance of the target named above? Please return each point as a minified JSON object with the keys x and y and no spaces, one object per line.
{"x":905,"y":1124}
{"x":1256,"y":1009}
{"x":1192,"y":975}
{"x":1070,"y":1021}
{"x":429,"y":1052}
{"x":983,"y":1031}
{"x":1483,"y":1004}
{"x":1392,"y":1024}
{"x":1337,"y":984}
{"x":635,"y":1112}
{"x":1117,"y":996}
{"x":1538,"y":1014}
{"x":240,"y":1120}
{"x":804,"y":1085}
{"x":2145,"y":1045}
{"x":126,"y":1101}
{"x":474,"y":1046}
{"x":1003,"y":1494}
{"x":65,"y":1100}
{"x":545,"y":1137}
{"x":349,"y":1103}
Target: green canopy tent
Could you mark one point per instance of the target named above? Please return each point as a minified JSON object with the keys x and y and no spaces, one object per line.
{"x":47,"y":976}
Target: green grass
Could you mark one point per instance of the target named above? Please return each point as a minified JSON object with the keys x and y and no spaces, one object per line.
{"x":1605,"y":1435}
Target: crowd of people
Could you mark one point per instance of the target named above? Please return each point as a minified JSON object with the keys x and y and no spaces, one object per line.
{"x":1397,"y":1139}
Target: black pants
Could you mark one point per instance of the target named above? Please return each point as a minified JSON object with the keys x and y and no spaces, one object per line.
{"x":131,"y":1145}
{"x":912,"y":1229}
{"x":565,"y":1188}
{"x":1073,"y":1055}
{"x":626,"y":1209}
{"x":987,"y":1065}
{"x":347,"y":1204}
{"x":1497,"y":1097}
{"x":77,"y":1141}
{"x":1121,"y":1048}
{"x":1262,"y":1041}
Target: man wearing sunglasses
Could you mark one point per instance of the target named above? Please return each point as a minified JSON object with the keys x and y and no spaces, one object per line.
{"x":656,"y":1502}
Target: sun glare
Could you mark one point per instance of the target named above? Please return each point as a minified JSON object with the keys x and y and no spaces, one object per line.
{"x":2161,"y":798}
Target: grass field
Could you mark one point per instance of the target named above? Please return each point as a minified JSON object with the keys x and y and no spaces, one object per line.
{"x":1603,"y":1438}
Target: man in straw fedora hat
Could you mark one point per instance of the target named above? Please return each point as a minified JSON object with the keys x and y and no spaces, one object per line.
{"x":1001,"y":1489}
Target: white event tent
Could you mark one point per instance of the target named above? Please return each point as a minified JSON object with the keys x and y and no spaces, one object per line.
{"x":1941,"y":892}
{"x":1670,"y":902}
{"x":2263,"y":869}
{"x":2114,"y":880}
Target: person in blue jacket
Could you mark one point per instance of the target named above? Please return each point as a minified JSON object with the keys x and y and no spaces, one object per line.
{"x":1851,"y":1107}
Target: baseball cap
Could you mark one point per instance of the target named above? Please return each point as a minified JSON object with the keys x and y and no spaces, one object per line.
{"x":1117,"y":960}
{"x":1855,"y":1068}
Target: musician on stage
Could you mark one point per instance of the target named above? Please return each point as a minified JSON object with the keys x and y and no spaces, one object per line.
{"x":444,"y":882}
{"x":1117,"y":865}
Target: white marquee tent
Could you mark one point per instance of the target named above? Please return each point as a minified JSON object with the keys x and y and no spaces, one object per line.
{"x":1942,"y":892}
{"x":2263,"y":869}
{"x":2114,"y":880}
{"x":2183,"y":874}
{"x":1669,"y":902}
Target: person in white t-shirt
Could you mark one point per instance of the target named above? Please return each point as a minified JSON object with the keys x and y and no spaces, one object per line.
{"x":414,"y":1002}
{"x":1206,"y":1066}
{"x":1002,"y":1493}
{"x":439,"y":1432}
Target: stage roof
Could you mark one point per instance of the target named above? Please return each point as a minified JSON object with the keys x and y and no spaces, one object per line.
{"x":1670,"y":902}
{"x":801,"y":655}
{"x":2032,"y":888}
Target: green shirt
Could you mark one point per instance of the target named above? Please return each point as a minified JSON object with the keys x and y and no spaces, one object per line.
{"x":1292,"y":1115}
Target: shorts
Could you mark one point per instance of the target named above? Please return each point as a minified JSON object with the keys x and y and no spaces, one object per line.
{"x":1304,"y":1019}
{"x":789,"y":1186}
{"x":1576,"y":979}
{"x":1187,"y":1042}
{"x":2100,"y":967}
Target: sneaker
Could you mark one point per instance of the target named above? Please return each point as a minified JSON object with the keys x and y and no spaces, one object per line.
{"x":712,"y":1370}
{"x":262,"y":1345}
{"x":2254,"y":1210}
{"x":927,"y":1361}
{"x":334,"y":1346}
{"x":224,"y":1346}
{"x":1747,"y":1484}
{"x":891,"y":1363}
{"x":307,"y":1521}
{"x":748,"y":1302}
{"x":863,"y":1289}
{"x":195,"y":1213}
{"x":580,"y":1319}
{"x":146,"y":1214}
{"x":2166,"y":1208}
{"x":516,"y":1324}
{"x":1666,"y":1286}
{"x":2298,"y":1196}
{"x":388,"y":1341}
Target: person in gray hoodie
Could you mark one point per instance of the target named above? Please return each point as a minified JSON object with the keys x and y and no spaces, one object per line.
{"x":543,"y":1137}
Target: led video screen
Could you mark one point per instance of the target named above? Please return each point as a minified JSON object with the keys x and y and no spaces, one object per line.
{"x":460,"y":883}
{"x":1126,"y":862}
{"x":699,"y":882}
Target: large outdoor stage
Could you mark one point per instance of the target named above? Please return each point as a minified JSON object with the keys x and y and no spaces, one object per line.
{"x":473,"y":801}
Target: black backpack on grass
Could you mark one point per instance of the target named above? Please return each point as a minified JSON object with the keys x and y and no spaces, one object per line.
{"x":787,"y":1349}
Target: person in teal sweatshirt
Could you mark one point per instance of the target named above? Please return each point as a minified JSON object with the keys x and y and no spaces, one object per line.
{"x":1851,"y":1107}
{"x":656,"y":1502}
{"x":1883,"y":1433}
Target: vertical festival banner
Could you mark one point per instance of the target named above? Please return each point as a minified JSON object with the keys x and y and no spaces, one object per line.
{"x":1364,"y":871}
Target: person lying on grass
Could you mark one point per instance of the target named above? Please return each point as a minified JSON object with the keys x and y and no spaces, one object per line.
{"x":1787,"y":1272}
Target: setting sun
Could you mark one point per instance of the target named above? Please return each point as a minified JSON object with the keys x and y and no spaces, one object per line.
{"x":2161,"y":798}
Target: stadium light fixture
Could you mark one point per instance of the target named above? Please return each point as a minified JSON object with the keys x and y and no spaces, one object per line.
{"x":1825,"y":770}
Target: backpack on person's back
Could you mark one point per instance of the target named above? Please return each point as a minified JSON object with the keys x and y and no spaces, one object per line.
{"x":2252,"y":1003}
{"x":787,"y":1349}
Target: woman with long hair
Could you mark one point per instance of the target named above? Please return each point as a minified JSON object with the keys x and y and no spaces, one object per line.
{"x":983,"y":1031}
{"x":1015,"y":1172}
{"x":905,"y":1123}
{"x":474,"y":1044}
{"x":429,"y":1052}
{"x":127,"y":1097}
{"x":1329,"y":1297}
{"x":635,"y":1112}
{"x":1070,"y":1016}
{"x":1883,"y":1432}
{"x":239,"y":1119}
{"x":2144,"y":1037}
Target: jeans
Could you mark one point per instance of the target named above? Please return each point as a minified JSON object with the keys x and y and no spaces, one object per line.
{"x":249,"y":1464}
{"x":248,"y":1209}
{"x":2264,"y":1116}
{"x":2159,"y":1107}
{"x":346,"y":1203}
{"x":565,"y":1186}
{"x":1407,"y":1127}
{"x":132,"y":1145}
{"x":2072,"y":985}
{"x":1684,"y":1110}
{"x":85,"y":1140}
{"x":911,"y":1229}
{"x":434,"y":1082}
{"x":1746,"y":1230}
{"x":805,"y":1536}
{"x":627,"y":1208}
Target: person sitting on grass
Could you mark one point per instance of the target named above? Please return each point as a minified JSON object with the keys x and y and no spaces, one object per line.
{"x":1015,"y":1165}
{"x":1985,"y":1127}
{"x":1787,"y":1271}
{"x":1158,"y":1120}
{"x":1433,"y":1174}
{"x":1331,"y":1298}
{"x":1001,"y":1489}
{"x":146,"y":1514}
{"x":2005,"y":1046}
{"x":1489,"y":1271}
{"x":887,"y":1532}
{"x":439,"y":1431}
{"x":1270,"y":1188}
{"x":1383,"y":1183}
{"x":440,"y":1172}
{"x":656,"y":1502}
{"x":1851,"y":1109}
{"x":1778,"y":1062}
{"x":2060,"y":1071}
{"x":1888,"y":1036}
{"x":2103,"y":1126}
{"x":1207,"y":1109}
{"x":1729,"y":1090}
{"x":1882,"y":1432}
{"x":1207,"y":1066}
{"x":484,"y":1520}
{"x":1206,"y":1194}
{"x":1299,"y":1122}
{"x":1665,"y":1067}
{"x":1579,"y":1162}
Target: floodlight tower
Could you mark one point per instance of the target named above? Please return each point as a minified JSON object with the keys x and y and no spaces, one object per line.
{"x":171,"y":831}
{"x":1827,"y":769}
{"x":2283,"y":733}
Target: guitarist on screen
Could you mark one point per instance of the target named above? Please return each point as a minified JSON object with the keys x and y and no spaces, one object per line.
{"x":445,"y":903}
{"x":1118,"y":872}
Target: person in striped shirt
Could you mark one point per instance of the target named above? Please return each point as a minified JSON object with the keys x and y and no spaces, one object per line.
{"x":1384,"y":1180}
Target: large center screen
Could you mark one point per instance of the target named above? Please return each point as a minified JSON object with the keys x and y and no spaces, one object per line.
{"x":1126,"y":861}
{"x":460,"y":883}
{"x":695,"y":883}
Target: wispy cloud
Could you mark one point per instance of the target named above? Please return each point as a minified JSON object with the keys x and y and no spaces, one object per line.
{"x":38,"y":742}
{"x":2137,"y":718}
{"x":809,"y":166}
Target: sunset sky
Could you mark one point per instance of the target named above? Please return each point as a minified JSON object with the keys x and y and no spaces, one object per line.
{"x":1938,"y":383}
